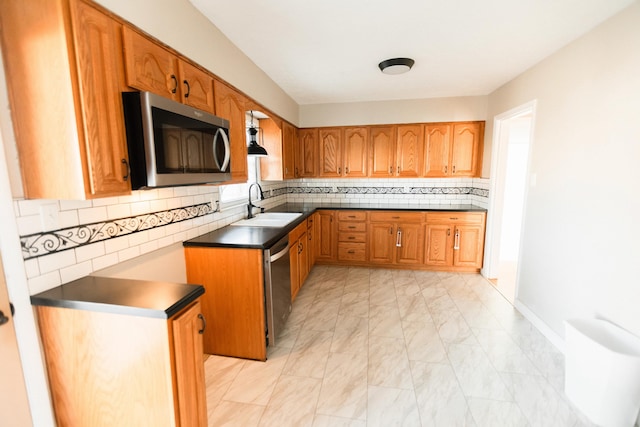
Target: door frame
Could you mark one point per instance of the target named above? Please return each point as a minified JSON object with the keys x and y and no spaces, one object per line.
{"x":496,"y":192}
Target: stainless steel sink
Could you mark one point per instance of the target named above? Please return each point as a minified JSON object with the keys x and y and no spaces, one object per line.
{"x":269,"y":219}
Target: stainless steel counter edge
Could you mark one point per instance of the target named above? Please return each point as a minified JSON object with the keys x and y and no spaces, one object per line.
{"x":245,"y":237}
{"x":141,"y":298}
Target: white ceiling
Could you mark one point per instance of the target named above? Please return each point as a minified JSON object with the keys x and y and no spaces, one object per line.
{"x":327,"y":51}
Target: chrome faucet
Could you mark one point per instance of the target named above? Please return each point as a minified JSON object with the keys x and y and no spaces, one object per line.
{"x":250,"y":206}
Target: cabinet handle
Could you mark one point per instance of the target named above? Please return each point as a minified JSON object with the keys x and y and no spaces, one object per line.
{"x":310,"y":236}
{"x":300,"y":248}
{"x":126,"y":165}
{"x":456,"y":241}
{"x":352,"y":226}
{"x":296,"y":172}
{"x":399,"y":238}
{"x":352,"y":237}
{"x":453,"y":219}
{"x":346,"y":169}
{"x":351,"y":216}
{"x":351,"y":251}
{"x":390,"y":169}
{"x":398,"y":169}
{"x":453,"y":169}
{"x":175,"y":83}
{"x":395,"y":217}
{"x":186,"y":83}
{"x":448,"y":232}
{"x":390,"y":230}
{"x":445,"y":170}
{"x":339,"y":170}
{"x":204,"y":323}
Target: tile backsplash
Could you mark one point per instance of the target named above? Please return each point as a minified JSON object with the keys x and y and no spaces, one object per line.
{"x":64,"y":240}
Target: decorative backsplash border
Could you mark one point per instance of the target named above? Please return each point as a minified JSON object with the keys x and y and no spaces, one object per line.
{"x":41,"y":244}
{"x":387,"y":190}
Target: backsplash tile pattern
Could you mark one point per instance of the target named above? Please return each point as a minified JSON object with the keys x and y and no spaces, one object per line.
{"x":85,"y":257}
{"x":41,"y":244}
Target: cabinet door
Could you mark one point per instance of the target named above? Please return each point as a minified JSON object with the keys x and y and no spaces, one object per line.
{"x":436,"y":151}
{"x":189,"y":366}
{"x":410,"y":237}
{"x":230,"y":105}
{"x":311,"y":241}
{"x":303,"y":258}
{"x":306,"y":153}
{"x":355,"y":152}
{"x":439,"y":244}
{"x":197,"y":87}
{"x":294,"y":256}
{"x":149,"y":66}
{"x":101,"y":79}
{"x":381,"y":242}
{"x":465,"y":149}
{"x":382,"y":148}
{"x":288,"y":150}
{"x":468,"y":244}
{"x":330,"y":140}
{"x":409,"y":151}
{"x":272,"y":166}
{"x":326,"y":241}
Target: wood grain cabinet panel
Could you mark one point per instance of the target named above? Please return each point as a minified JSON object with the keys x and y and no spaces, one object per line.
{"x":279,"y":139}
{"x":233,"y":302}
{"x":409,"y":151}
{"x":306,"y":153}
{"x":110,"y":369}
{"x":355,"y":152}
{"x":326,"y":246}
{"x":232,"y":105}
{"x":330,"y":145}
{"x":299,"y":253}
{"x":382,"y":151}
{"x":437,"y":148}
{"x":65,"y":94}
{"x":455,"y":240}
{"x":150,"y":67}
{"x":466,"y":154}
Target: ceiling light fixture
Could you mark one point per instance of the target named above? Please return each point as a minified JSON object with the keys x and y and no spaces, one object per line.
{"x":396,"y":65}
{"x":254,"y":149}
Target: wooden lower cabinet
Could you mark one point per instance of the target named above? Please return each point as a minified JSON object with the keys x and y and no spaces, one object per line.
{"x":108,"y":369}
{"x":446,"y":240}
{"x":326,"y":247}
{"x":299,"y":257}
{"x":231,"y":293}
{"x":455,"y":240}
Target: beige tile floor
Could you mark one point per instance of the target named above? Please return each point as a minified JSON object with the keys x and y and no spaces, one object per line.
{"x":378,"y":347}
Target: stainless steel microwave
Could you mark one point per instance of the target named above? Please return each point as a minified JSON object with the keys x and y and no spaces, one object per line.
{"x":172,"y":144}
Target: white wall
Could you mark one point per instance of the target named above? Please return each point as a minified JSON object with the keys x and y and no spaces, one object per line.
{"x":580,"y":253}
{"x":399,"y":111}
{"x":180,"y":25}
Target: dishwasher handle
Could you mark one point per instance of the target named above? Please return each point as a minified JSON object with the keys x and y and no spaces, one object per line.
{"x":279,"y":254}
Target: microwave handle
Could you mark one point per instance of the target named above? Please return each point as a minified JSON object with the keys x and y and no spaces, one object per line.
{"x":227,"y":149}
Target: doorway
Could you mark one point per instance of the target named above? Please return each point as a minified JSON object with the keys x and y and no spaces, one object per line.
{"x":513,"y":134}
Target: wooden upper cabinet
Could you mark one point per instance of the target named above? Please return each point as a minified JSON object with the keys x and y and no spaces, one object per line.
{"x":65,"y":93}
{"x":330,"y":144}
{"x":197,"y":87}
{"x":437,"y":141}
{"x":382,"y":151}
{"x":409,"y":151}
{"x":466,"y":148}
{"x":289,"y":140}
{"x":306,"y":152}
{"x":151,"y":67}
{"x":272,"y":166}
{"x":231,"y":105}
{"x":355,"y":152}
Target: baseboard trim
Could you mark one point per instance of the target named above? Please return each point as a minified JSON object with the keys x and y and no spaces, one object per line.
{"x":544,"y":329}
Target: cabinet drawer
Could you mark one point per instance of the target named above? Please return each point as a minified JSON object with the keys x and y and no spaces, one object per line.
{"x":352,"y":226}
{"x":345,"y":236}
{"x":396,"y":216}
{"x":352,"y":251}
{"x":352,"y":215}
{"x":457,"y":217}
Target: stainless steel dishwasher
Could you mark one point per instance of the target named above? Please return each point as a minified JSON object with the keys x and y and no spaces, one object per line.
{"x":277,"y":288}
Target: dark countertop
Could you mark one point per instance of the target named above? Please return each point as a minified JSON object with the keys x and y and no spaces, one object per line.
{"x":121,"y":296}
{"x":233,"y":236}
